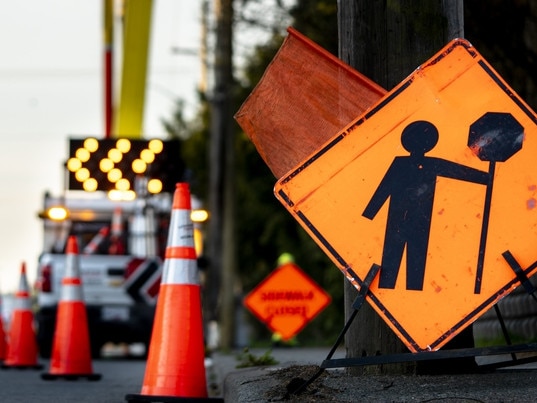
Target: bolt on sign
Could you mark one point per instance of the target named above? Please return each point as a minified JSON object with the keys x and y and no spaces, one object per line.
{"x":434,"y":183}
{"x":287,"y":300}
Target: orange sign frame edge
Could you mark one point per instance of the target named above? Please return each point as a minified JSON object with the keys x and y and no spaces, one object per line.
{"x":327,"y":247}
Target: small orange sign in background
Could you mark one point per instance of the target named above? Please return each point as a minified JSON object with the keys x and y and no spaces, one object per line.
{"x":287,"y":300}
{"x":337,"y":197}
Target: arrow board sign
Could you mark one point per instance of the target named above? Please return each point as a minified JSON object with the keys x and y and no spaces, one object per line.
{"x":434,"y":184}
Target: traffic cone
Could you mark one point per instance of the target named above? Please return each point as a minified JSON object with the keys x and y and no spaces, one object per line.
{"x":92,"y":247}
{"x":142,"y":236}
{"x":3,"y":343}
{"x":22,"y":347}
{"x":175,"y":368}
{"x":71,"y":352}
{"x":117,"y":246}
{"x":117,"y":222}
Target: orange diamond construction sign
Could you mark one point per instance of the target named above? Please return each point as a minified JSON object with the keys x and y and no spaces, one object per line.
{"x":287,"y":300}
{"x":436,"y":184}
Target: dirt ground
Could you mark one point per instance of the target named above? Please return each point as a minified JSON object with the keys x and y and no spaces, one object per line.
{"x":276,"y":385}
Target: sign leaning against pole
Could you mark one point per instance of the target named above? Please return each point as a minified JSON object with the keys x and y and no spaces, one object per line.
{"x":406,"y":185}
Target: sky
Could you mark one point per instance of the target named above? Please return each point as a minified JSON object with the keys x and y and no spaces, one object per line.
{"x":51,"y":88}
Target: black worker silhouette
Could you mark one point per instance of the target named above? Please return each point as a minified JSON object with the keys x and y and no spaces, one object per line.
{"x":410,"y":185}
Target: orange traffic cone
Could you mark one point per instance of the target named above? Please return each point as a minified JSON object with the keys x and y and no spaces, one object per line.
{"x":117,"y":222}
{"x":71,"y":352}
{"x":117,"y":246}
{"x":3,"y":343}
{"x":175,"y":364}
{"x":93,"y":246}
{"x":22,"y":347}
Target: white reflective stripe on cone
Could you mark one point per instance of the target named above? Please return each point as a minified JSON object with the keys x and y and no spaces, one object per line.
{"x":117,"y":222}
{"x":71,"y":292}
{"x":71,"y":266}
{"x":181,"y":229}
{"x":22,"y":304}
{"x":142,"y":237}
{"x":23,"y":284}
{"x":180,"y":271}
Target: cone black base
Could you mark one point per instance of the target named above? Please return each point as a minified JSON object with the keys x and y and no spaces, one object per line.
{"x":132,"y":398}
{"x":34,"y":366}
{"x":70,"y":377}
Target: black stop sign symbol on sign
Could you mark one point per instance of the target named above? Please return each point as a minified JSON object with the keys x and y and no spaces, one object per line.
{"x":494,"y":137}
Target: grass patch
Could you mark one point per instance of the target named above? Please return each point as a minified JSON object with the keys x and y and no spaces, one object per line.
{"x":247,"y":359}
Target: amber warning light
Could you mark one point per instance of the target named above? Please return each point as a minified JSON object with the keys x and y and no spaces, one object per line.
{"x":113,"y":164}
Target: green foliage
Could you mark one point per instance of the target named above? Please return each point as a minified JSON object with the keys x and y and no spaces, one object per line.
{"x":317,"y":19}
{"x":247,"y":359}
{"x":178,"y":127}
{"x":195,"y":136}
{"x":264,"y":228}
{"x":511,"y":51}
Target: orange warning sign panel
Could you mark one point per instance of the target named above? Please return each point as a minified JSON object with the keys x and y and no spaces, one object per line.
{"x":434,"y":184}
{"x":287,"y":300}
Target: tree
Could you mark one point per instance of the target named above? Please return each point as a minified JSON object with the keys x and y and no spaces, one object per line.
{"x":264,"y":229}
{"x":511,"y":51}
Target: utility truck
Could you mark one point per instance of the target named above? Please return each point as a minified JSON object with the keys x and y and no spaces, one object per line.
{"x":119,"y":289}
{"x":121,"y":247}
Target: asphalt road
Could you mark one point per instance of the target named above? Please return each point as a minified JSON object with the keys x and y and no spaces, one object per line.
{"x":119,"y":377}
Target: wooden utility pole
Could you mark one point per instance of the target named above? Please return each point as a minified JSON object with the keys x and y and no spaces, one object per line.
{"x":221,"y":237}
{"x":386,"y":41}
{"x":203,"y":46}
